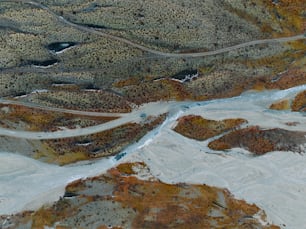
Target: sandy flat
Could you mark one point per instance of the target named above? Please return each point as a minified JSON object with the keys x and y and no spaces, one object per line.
{"x":26,"y":184}
{"x":276,"y":182}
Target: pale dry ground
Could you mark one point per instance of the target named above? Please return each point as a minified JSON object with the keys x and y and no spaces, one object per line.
{"x":173,"y":158}
{"x":275,"y":182}
{"x":139,"y":47}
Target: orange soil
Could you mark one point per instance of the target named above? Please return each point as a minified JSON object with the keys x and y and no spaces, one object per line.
{"x":260,"y":141}
{"x":198,"y":128}
{"x":68,"y":150}
{"x":299,"y":102}
{"x":156,"y":204}
{"x":44,"y":120}
{"x":281,"y":105}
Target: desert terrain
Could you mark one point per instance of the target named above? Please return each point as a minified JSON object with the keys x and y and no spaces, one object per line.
{"x":152,"y":114}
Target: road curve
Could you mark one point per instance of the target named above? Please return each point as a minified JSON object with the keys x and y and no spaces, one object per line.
{"x":152,"y":51}
{"x":173,"y":108}
{"x":62,"y":110}
{"x":150,"y":109}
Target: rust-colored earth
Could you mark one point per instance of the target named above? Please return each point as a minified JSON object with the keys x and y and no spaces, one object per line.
{"x":199,"y":128}
{"x":118,"y":199}
{"x":259,"y":141}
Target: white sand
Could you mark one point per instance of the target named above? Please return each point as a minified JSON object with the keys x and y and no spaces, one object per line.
{"x":26,"y":184}
{"x":276,"y":182}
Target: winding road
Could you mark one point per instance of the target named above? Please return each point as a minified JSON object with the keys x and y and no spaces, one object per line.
{"x":152,"y":51}
{"x":173,"y":108}
{"x":150,"y":109}
{"x":269,"y":181}
{"x":153,"y":109}
{"x":62,"y":110}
